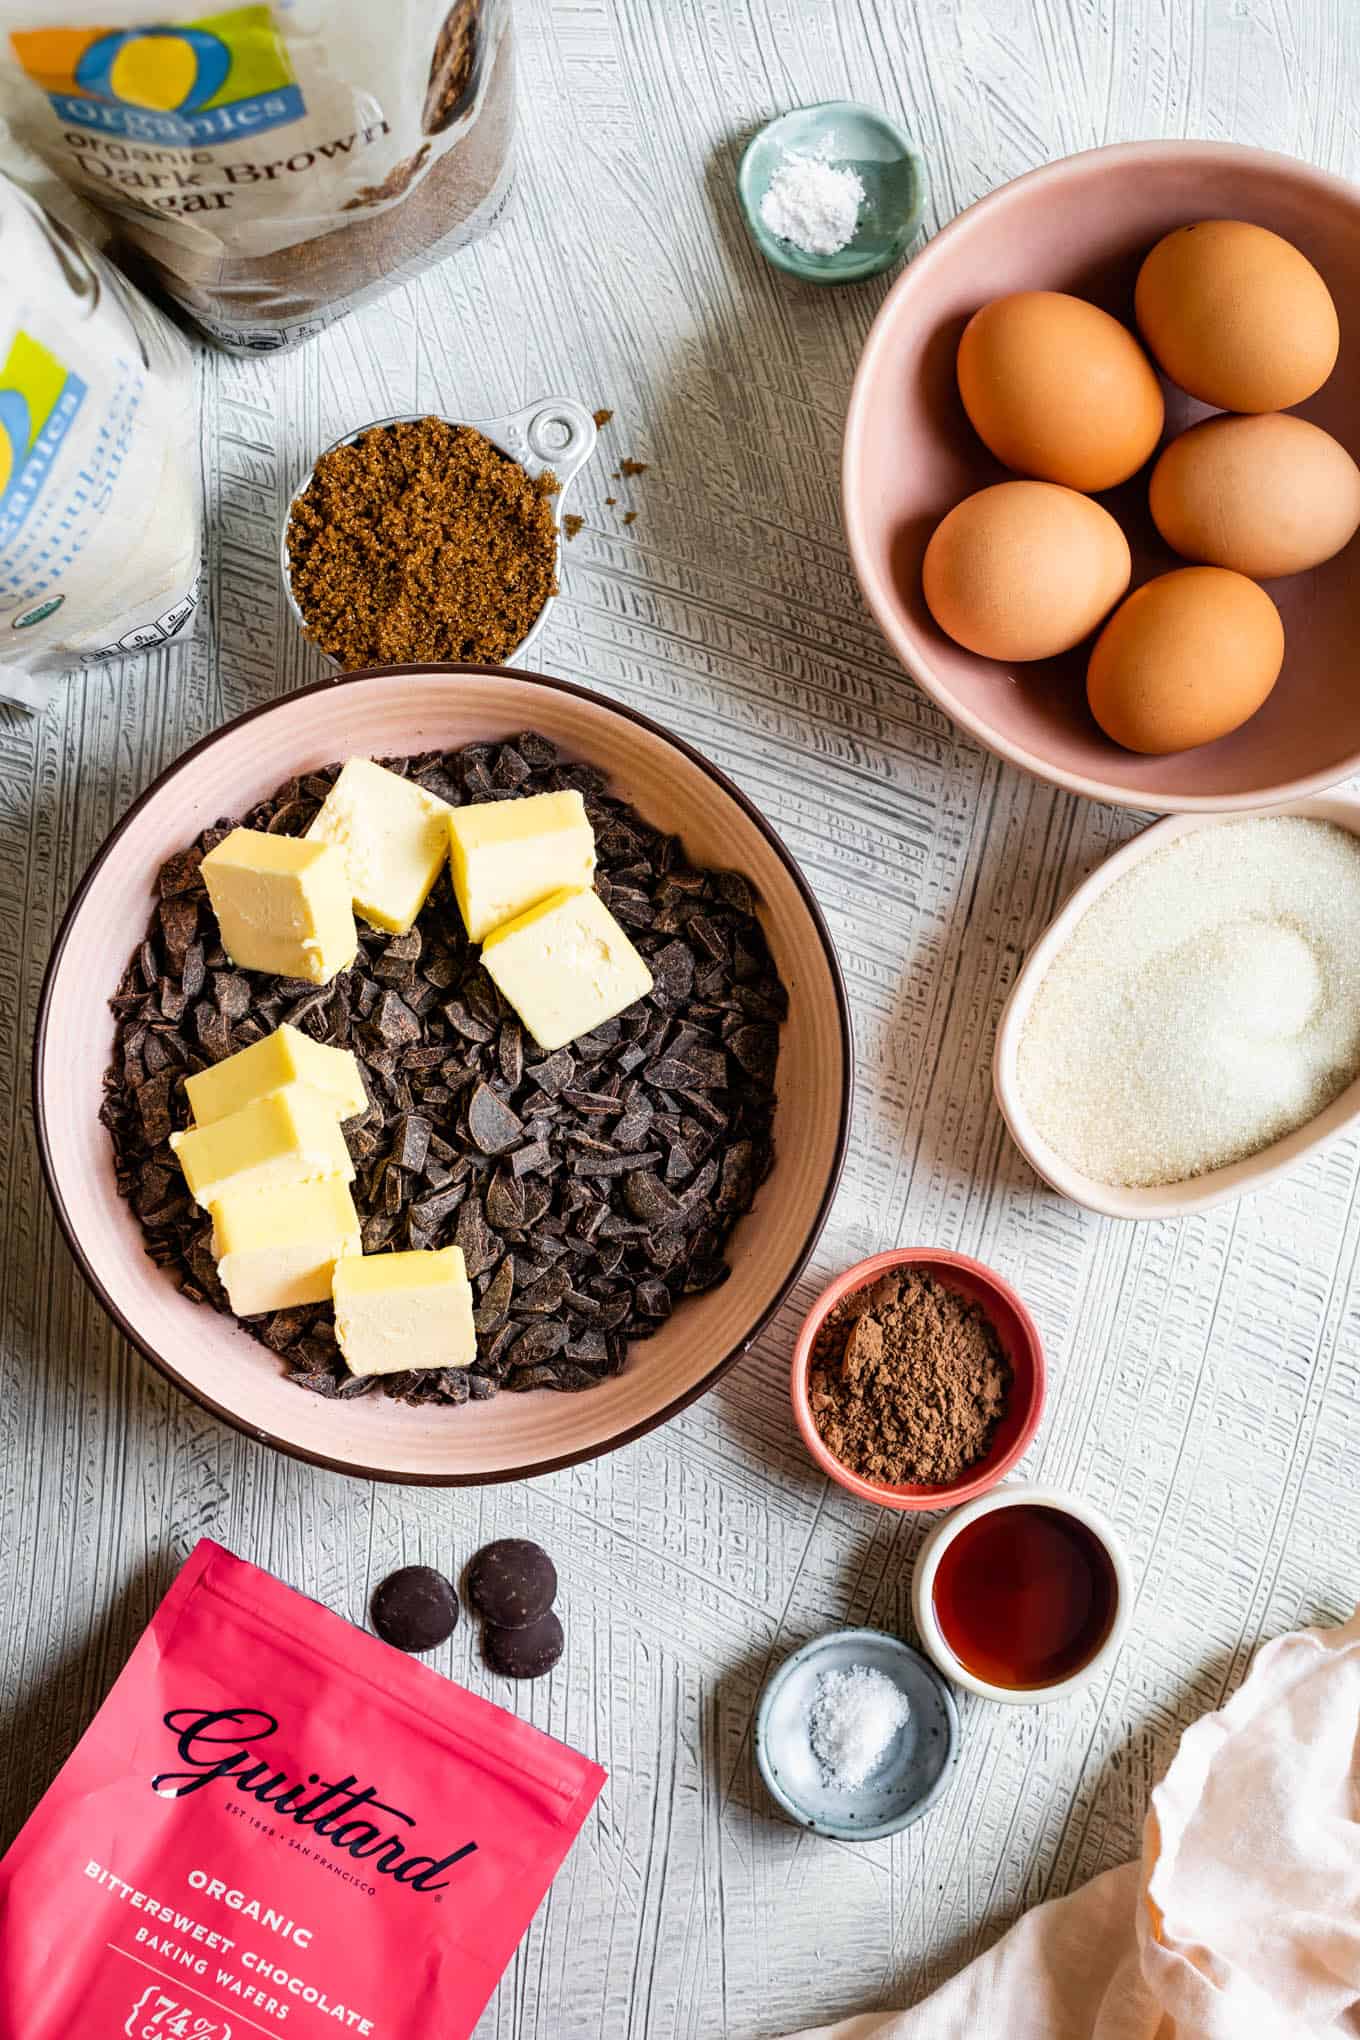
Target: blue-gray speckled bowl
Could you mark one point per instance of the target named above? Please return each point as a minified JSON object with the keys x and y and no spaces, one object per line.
{"x":916,"y":1767}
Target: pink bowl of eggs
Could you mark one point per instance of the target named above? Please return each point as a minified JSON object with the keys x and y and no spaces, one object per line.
{"x":1100,"y":475}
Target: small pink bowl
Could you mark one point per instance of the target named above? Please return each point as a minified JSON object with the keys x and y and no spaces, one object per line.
{"x":1083,"y":225}
{"x":1019,"y":1337}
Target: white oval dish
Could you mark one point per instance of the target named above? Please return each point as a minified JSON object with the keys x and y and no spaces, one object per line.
{"x":1195,"y":1193}
{"x":556,"y":433}
{"x":927,"y":1564}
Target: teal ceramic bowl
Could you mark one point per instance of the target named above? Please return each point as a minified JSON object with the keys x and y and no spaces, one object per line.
{"x":917,"y":1765}
{"x":892,"y":172}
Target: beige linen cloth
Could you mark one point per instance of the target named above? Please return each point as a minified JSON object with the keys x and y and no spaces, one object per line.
{"x":1242,"y":1921}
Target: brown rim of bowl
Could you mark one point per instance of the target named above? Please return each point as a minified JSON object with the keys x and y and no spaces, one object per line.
{"x":1116,"y":156}
{"x":633,"y":1431}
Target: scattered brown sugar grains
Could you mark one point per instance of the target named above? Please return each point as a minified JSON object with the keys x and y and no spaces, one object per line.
{"x":602,"y":418}
{"x":629,"y":517}
{"x":571,"y":523}
{"x":907,"y":1381}
{"x":632,"y":467}
{"x":421,"y":541}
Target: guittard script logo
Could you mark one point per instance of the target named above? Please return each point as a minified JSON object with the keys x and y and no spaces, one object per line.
{"x":216,"y":1747}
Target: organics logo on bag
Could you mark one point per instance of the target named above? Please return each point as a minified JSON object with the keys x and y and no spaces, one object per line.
{"x":220,"y":78}
{"x":214,"y":1745}
{"x":39,"y":397}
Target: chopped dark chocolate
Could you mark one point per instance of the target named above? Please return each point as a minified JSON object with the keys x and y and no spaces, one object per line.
{"x":506,"y":1203}
{"x":194,"y":974}
{"x":538,"y":1342}
{"x":755,"y":1048}
{"x":178,"y":919}
{"x":153,"y":1107}
{"x":471,"y":1233}
{"x":231,"y":990}
{"x":537,"y":1155}
{"x":555,"y":1074}
{"x":510,"y":1053}
{"x":650,"y":1200}
{"x":393,"y":1021}
{"x":411,"y":1141}
{"x":495,"y":1299}
{"x":590,"y":1189}
{"x":180,"y":874}
{"x":465,"y":1023}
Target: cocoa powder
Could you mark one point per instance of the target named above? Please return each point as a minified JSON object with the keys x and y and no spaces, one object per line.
{"x":908,"y":1381}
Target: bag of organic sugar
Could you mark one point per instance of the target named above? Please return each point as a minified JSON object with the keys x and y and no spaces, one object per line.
{"x":99,"y":492}
{"x":271,"y":165}
{"x":279,"y":1825}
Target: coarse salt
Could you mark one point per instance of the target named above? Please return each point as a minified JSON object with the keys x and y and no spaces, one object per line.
{"x":813,"y":203}
{"x":1207,"y":1004}
{"x":854,"y":1716}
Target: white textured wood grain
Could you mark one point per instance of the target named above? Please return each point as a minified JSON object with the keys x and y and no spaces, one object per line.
{"x":1205,"y":1377}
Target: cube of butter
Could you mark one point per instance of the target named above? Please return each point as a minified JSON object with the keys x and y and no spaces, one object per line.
{"x":566,"y":966}
{"x":393,"y":837}
{"x":278,"y":1248}
{"x":394,"y":1311}
{"x":284,"y":1057}
{"x":506,"y":855}
{"x":282,"y":904}
{"x":292,"y":1136}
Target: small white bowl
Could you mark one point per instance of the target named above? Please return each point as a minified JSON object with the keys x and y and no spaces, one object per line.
{"x":942,"y":1536}
{"x":556,"y":433}
{"x":1194,"y":1193}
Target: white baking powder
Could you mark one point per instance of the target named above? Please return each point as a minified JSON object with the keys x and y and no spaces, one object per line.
{"x":855,"y":1715}
{"x":813,"y":204}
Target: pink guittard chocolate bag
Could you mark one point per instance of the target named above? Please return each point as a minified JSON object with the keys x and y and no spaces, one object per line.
{"x":277,"y":1825}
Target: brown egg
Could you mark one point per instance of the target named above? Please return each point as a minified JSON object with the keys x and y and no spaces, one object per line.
{"x":1187,"y":658}
{"x":1237,"y":316}
{"x":1024,"y":570}
{"x":1266,"y":495}
{"x":1059,"y":390}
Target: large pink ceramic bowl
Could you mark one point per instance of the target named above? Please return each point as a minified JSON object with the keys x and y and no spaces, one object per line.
{"x":209,"y":1356}
{"x":1084,"y":225}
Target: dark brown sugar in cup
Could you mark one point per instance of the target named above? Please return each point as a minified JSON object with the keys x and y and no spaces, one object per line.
{"x":421,"y":541}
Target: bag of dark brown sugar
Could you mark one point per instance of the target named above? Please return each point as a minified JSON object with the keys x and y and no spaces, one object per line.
{"x":270,"y":166}
{"x":277,"y":1825}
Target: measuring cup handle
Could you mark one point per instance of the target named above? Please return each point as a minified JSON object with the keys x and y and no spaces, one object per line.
{"x":559,"y":432}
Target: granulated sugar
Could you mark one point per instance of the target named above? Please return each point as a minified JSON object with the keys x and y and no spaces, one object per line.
{"x":855,"y":1715}
{"x":1207,"y":1004}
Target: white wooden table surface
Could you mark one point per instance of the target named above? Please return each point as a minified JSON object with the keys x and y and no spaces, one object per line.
{"x":1205,"y":1377}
